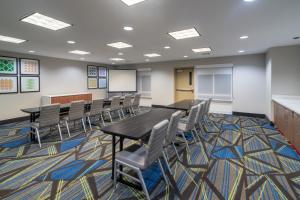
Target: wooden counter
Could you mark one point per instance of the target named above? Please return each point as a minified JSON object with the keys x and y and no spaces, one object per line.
{"x":66,"y":98}
{"x":288,"y":122}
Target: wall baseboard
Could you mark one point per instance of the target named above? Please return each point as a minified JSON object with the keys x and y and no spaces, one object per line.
{"x":14,"y":120}
{"x":249,"y":114}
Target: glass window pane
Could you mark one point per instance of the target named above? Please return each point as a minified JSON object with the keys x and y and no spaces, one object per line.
{"x":223,"y":84}
{"x":205,"y":84}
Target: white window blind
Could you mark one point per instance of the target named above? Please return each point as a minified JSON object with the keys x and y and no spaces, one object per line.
{"x":214,"y":82}
{"x":144,"y":82}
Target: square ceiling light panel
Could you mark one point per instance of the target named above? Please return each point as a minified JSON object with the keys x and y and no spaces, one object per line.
{"x":45,"y":21}
{"x":119,"y":45}
{"x":11,"y":39}
{"x":132,"y":2}
{"x":184,"y":34}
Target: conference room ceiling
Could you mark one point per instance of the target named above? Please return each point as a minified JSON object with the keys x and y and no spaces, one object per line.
{"x":96,"y":23}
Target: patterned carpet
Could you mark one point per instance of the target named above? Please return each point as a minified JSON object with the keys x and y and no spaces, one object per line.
{"x":237,"y":158}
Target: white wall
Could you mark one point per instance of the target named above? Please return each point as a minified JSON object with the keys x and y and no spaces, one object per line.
{"x":285,"y":70}
{"x":58,"y":76}
{"x":282,"y":73}
{"x":248,"y":84}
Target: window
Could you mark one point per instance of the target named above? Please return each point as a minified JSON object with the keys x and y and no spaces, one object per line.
{"x":144,"y":82}
{"x":214,"y":82}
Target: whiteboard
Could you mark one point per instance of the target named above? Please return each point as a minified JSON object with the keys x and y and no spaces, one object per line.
{"x":122,"y":81}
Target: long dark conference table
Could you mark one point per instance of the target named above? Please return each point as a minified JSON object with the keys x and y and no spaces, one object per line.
{"x":135,"y":128}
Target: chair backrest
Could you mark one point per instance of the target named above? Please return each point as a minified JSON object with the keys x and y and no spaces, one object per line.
{"x":173,"y":127}
{"x":49,"y":115}
{"x":136,"y":100}
{"x":200,"y":113}
{"x":76,"y":110}
{"x":192,"y":117}
{"x":115,"y":103}
{"x":156,"y":142}
{"x":97,"y":107}
{"x":127,"y":101}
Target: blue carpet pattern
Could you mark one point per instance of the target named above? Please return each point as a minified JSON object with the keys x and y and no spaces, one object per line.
{"x":235,"y":158}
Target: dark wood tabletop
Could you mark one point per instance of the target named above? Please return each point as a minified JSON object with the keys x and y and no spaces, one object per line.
{"x":184,"y":105}
{"x":140,"y":126}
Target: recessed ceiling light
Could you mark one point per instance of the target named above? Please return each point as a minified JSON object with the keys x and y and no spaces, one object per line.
{"x":243,"y":37}
{"x":167,"y":47}
{"x":241,"y":51}
{"x":188,"y":33}
{"x":82,"y":58}
{"x":71,"y":42}
{"x":127,"y":28}
{"x":45,"y":21}
{"x":120,"y":54}
{"x":117,"y":59}
{"x":119,"y":45}
{"x":11,"y":39}
{"x":185,"y":56}
{"x":31,"y":51}
{"x":79,"y":52}
{"x":132,"y":2}
{"x":202,"y":50}
{"x":249,"y":0}
{"x":152,"y":55}
{"x":147,"y":60}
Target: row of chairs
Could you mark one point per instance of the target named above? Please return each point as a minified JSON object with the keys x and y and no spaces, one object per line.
{"x":163,"y":136}
{"x":50,"y":114}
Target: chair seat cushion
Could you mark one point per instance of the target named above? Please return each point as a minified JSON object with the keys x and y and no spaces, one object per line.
{"x":136,"y":159}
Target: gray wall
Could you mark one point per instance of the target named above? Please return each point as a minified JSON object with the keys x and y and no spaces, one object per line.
{"x":285,"y":70}
{"x":57,"y":76}
{"x":249,"y":80}
{"x":282,"y":73}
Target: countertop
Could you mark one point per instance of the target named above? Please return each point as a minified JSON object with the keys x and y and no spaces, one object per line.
{"x":290,"y":102}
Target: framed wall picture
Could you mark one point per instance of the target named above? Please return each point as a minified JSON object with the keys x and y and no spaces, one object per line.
{"x":30,"y":84}
{"x":8,"y":84}
{"x":8,"y":66}
{"x":92,"y":71}
{"x":102,"y":83}
{"x":29,"y":66}
{"x":92,"y":83}
{"x":102,"y":72}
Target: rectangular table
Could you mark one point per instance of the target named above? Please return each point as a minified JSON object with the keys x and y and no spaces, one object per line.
{"x":184,"y":105}
{"x":135,"y":128}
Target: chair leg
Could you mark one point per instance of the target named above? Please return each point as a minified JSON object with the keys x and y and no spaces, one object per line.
{"x":186,"y":142}
{"x":166,"y":159}
{"x":177,"y":154}
{"x":119,"y":113}
{"x":163,"y":171}
{"x":110,"y":116}
{"x":59,"y":130}
{"x":68,"y":129}
{"x":143,"y":184}
{"x":38,"y":136}
{"x":89,"y":120}
{"x":83,"y":125}
{"x":123,"y":113}
{"x":102,"y":119}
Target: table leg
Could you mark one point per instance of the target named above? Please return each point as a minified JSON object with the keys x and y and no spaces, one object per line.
{"x":113,"y":156}
{"x":121,"y":149}
{"x":31,"y":129}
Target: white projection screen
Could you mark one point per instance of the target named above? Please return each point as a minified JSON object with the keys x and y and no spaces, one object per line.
{"x":122,"y":81}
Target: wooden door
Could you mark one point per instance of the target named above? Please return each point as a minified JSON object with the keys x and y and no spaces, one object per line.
{"x":184,"y":84}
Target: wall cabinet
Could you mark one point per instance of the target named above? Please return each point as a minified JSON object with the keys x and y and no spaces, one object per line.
{"x":288,"y":122}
